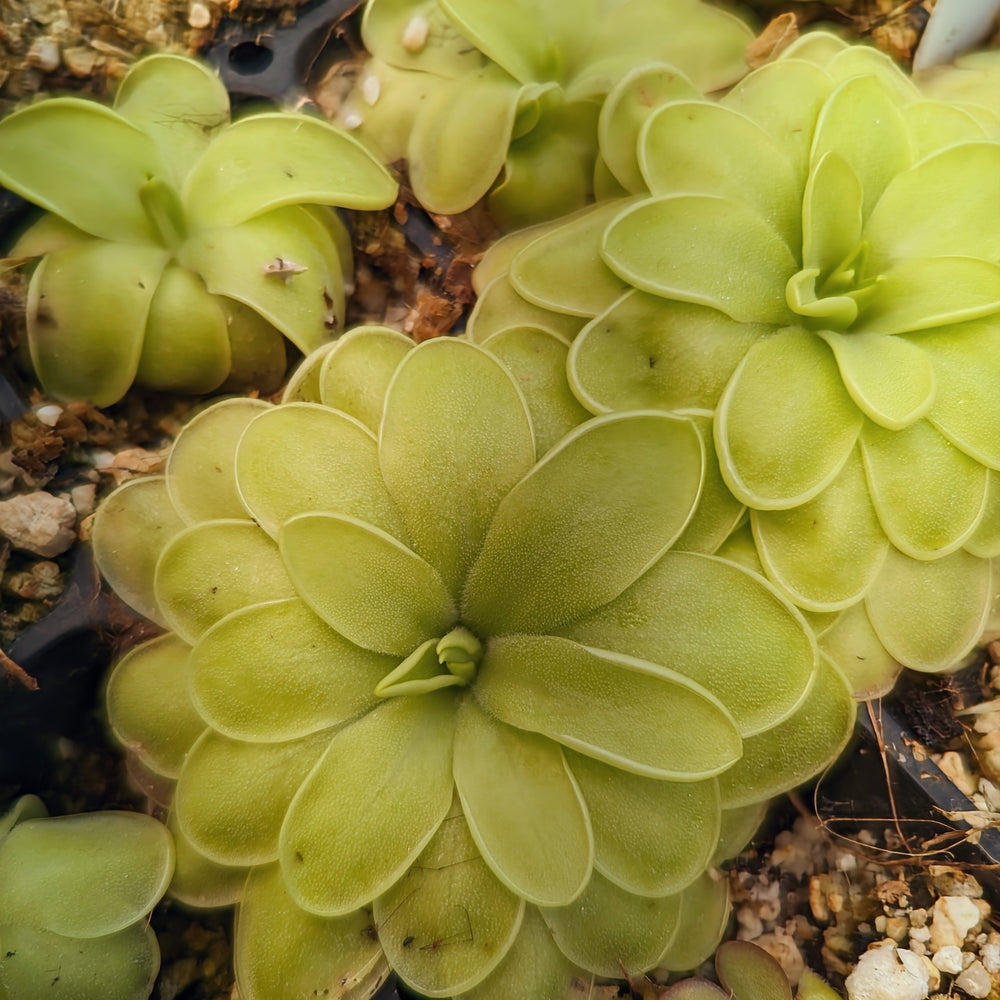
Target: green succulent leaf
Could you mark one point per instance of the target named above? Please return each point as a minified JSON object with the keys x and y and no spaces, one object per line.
{"x":84,"y":876}
{"x":851,"y":643}
{"x":83,"y":162}
{"x":824,"y":553}
{"x":625,"y":110}
{"x":121,"y":966}
{"x":737,"y":830}
{"x":303,"y":385}
{"x":583,"y":524}
{"x":985,"y":540}
{"x":651,"y":837}
{"x":201,"y":466}
{"x":919,"y":216}
{"x":785,"y":425}
{"x":448,"y":923}
{"x":324,"y":680}
{"x":536,"y":359}
{"x":645,"y":351}
{"x":966,"y":359}
{"x":930,"y":614}
{"x":563,"y":270}
{"x":455,"y":437}
{"x":131,"y":528}
{"x":796,"y":749}
{"x":523,"y":807}
{"x":257,"y":349}
{"x":155,"y":673}
{"x":365,"y":584}
{"x":760,"y":666}
{"x":277,"y":159}
{"x":354,"y":377}
{"x":283,"y":950}
{"x":45,"y":235}
{"x":86,"y":310}
{"x":217,"y":567}
{"x":233,"y":820}
{"x":198,"y":881}
{"x":179,"y":103}
{"x":301,"y":458}
{"x":500,"y":307}
{"x":186,"y":344}
{"x":861,"y":121}
{"x":387,"y":778}
{"x":609,"y":931}
{"x":748,"y":971}
{"x":688,"y":146}
{"x":831,"y":214}
{"x":929,"y":496}
{"x":688,"y":247}
{"x":608,"y":706}
{"x":25,"y":807}
{"x":282,"y":264}
{"x":935,"y":126}
{"x":701,"y":922}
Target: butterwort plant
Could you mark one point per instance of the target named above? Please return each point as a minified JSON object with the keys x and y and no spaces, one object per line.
{"x":180,"y":247}
{"x":811,"y":262}
{"x":75,"y":896}
{"x":459,"y":708}
{"x":502,"y":100}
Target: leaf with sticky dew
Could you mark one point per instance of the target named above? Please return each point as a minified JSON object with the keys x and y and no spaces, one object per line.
{"x":586,"y":700}
{"x":589,"y":518}
{"x":201,"y":474}
{"x":761,"y":670}
{"x":387,"y":777}
{"x":525,"y":810}
{"x":157,"y":672}
{"x":642,"y":929}
{"x":448,"y":923}
{"x":131,"y":529}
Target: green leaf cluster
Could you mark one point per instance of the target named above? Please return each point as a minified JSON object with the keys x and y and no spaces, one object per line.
{"x":812,"y":262}
{"x":75,"y":892}
{"x":180,"y":247}
{"x":443,"y":688}
{"x":503,"y":99}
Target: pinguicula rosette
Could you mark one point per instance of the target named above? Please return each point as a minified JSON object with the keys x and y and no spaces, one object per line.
{"x":811,"y":264}
{"x":75,"y":896}
{"x":180,"y":246}
{"x":458,"y":708}
{"x":503,"y":99}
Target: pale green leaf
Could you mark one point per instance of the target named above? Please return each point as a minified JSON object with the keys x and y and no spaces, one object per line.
{"x":256,"y":347}
{"x":217,"y":567}
{"x":86,"y":875}
{"x":929,"y":615}
{"x":302,"y":458}
{"x":276,"y":159}
{"x":928,"y":495}
{"x":649,"y":352}
{"x":607,"y":705}
{"x":130,"y":530}
{"x":323,"y":679}
{"x":934,"y":126}
{"x":499,"y":307}
{"x":985,"y":540}
{"x":824,"y":553}
{"x":186,"y":344}
{"x":610,"y":931}
{"x":448,"y":923}
{"x":201,"y":473}
{"x":737,"y":829}
{"x":354,"y":377}
{"x":759,"y":666}
{"x":283,"y":264}
{"x":747,"y":970}
{"x":303,"y":385}
{"x":523,"y":807}
{"x":364,"y":583}
{"x":455,"y":437}
{"x":785,"y":425}
{"x":232,"y":797}
{"x":149,"y":705}
{"x":851,"y":642}
{"x":831,"y":215}
{"x":387,"y":780}
{"x":701,"y":922}
{"x":283,"y":950}
{"x":691,"y":247}
{"x":199,"y":882}
{"x":83,"y":162}
{"x":797,"y":749}
{"x":45,"y":235}
{"x":651,"y":837}
{"x":87,"y":307}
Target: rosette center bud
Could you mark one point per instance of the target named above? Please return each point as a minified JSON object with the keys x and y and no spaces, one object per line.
{"x":458,"y":653}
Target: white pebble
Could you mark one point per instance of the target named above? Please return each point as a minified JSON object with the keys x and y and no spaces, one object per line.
{"x":352,"y":120}
{"x":39,"y":523}
{"x":975,"y":981}
{"x":989,"y":954}
{"x":953,"y":918}
{"x":888,"y":973}
{"x":199,"y":16}
{"x":49,"y":415}
{"x":948,"y":959}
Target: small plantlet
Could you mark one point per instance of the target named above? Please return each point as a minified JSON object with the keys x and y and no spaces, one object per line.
{"x":180,"y":247}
